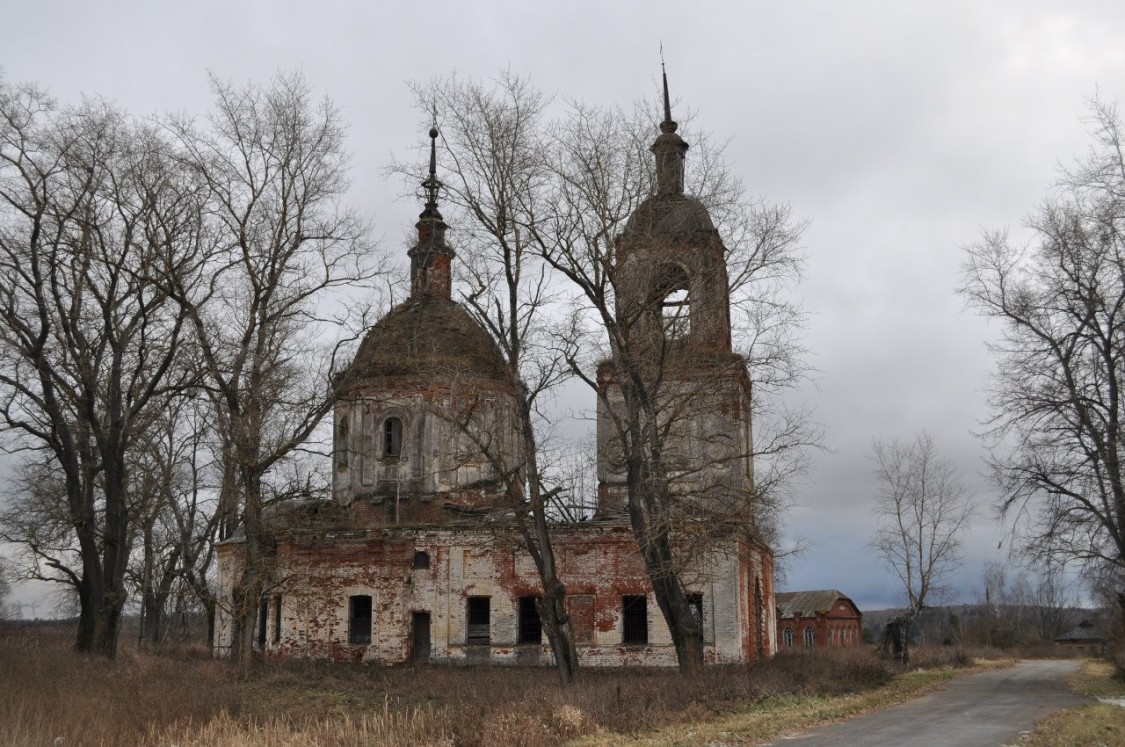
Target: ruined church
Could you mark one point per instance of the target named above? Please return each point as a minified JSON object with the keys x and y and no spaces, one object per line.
{"x":409,"y":562}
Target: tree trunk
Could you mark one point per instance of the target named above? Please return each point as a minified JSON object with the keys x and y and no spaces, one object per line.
{"x":246,"y":596}
{"x":895,"y":639}
{"x":560,"y":634}
{"x":654,"y":541}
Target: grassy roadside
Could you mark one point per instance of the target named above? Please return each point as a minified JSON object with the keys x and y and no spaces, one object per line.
{"x":51,"y":696}
{"x":771,"y":717}
{"x":1094,"y":724}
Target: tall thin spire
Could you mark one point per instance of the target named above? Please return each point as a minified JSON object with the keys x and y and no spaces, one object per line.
{"x":667,"y":100}
{"x":430,"y":258}
{"x":669,"y":147}
{"x":432,"y":185}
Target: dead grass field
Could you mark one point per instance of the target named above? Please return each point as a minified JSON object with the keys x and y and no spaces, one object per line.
{"x":1095,"y":725}
{"x":50,"y":696}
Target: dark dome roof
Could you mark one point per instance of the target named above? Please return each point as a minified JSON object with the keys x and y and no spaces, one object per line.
{"x":428,"y":336}
{"x":663,"y":215}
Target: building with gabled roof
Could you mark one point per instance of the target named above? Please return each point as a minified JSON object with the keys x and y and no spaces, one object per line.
{"x":817,"y":619}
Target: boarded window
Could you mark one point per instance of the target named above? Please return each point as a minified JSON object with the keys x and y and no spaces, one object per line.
{"x":810,"y":637}
{"x":392,"y":438}
{"x":531,"y":626}
{"x":634,"y":619}
{"x":359,"y":619}
{"x":421,"y":560}
{"x":478,"y":614}
{"x":580,"y":608}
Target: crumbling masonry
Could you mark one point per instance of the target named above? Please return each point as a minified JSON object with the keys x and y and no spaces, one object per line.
{"x":409,"y":561}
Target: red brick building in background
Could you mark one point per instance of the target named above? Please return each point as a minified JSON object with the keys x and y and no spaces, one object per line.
{"x":817,"y":619}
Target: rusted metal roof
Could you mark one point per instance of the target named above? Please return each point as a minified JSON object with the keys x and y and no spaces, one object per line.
{"x":809,"y":603}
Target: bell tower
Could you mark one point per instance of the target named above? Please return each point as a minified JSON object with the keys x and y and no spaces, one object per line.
{"x":673,"y":306}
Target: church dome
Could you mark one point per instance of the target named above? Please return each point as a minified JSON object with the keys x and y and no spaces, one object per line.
{"x":428,"y":335}
{"x":669,"y":215}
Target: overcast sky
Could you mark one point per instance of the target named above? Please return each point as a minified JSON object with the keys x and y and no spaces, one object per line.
{"x":901,"y":130}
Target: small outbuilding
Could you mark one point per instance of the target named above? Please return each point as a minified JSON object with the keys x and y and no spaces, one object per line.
{"x":817,"y":619}
{"x":1084,"y":638}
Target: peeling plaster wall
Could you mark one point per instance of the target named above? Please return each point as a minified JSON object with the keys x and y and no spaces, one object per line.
{"x":316,"y":574}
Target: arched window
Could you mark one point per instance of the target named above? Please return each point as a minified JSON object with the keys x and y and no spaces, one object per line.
{"x":421,"y":560}
{"x":392,"y":437}
{"x":787,"y":637}
{"x":671,"y":293}
{"x":810,"y":637}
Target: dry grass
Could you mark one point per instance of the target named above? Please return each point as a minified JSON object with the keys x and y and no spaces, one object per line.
{"x":1098,"y":678}
{"x":50,"y":696}
{"x":1093,"y":725}
{"x":1099,"y":725}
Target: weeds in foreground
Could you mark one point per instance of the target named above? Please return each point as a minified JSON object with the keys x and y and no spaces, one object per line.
{"x":49,"y":695}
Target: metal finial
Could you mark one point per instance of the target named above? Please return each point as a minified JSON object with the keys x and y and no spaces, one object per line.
{"x":432,"y":185}
{"x":667,"y":100}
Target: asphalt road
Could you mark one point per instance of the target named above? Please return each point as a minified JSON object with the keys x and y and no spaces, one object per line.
{"x":981,"y":710}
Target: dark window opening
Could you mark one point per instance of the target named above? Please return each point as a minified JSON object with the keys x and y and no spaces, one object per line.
{"x":421,"y":560}
{"x":787,"y":637}
{"x":810,"y":637}
{"x":695,"y":606}
{"x":392,"y":437}
{"x":263,"y":618}
{"x":634,"y":619}
{"x":359,"y":619}
{"x":277,"y":619}
{"x":531,"y":625}
{"x":478,"y":615}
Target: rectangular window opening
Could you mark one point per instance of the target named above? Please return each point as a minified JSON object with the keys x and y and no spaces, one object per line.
{"x":263,"y":618}
{"x":634,"y":619}
{"x":695,"y":604}
{"x":359,"y":619}
{"x":277,"y":619}
{"x":531,"y":625}
{"x":478,"y":614}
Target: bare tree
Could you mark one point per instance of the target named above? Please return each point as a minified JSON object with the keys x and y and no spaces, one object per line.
{"x":685,"y":488}
{"x":5,"y":588}
{"x":923,"y":511}
{"x":275,"y":167}
{"x":89,"y":201}
{"x":493,"y":138}
{"x":1058,"y":395}
{"x":176,"y":514}
{"x":565,"y":193}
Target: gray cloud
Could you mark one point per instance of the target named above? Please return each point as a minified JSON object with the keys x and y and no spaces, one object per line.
{"x":900,"y":129}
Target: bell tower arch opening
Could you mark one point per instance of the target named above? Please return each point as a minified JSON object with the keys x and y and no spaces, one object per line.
{"x":671,"y":300}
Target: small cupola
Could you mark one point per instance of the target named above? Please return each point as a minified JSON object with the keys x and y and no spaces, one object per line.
{"x":431,"y":259}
